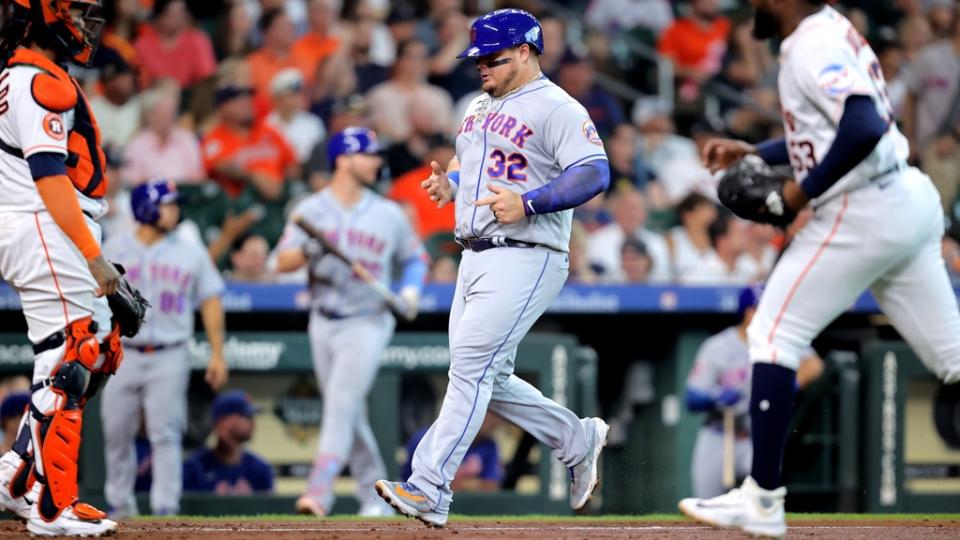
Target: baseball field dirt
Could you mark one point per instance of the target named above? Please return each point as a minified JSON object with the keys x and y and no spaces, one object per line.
{"x":463,"y":528}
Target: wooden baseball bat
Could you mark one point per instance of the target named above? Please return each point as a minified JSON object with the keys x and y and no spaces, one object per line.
{"x":392,"y":301}
{"x":728,"y":448}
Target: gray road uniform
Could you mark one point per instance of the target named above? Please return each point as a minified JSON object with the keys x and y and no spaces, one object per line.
{"x":508,"y":276}
{"x":175,"y":275}
{"x":350,"y":326}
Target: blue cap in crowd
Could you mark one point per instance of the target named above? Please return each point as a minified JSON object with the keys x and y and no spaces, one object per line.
{"x":749,"y":297}
{"x":233,"y":402}
{"x":14,"y":404}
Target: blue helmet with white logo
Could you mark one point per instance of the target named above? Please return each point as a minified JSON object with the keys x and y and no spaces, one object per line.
{"x":145,"y":199}
{"x":502,"y":29}
{"x":749,"y":297}
{"x":352,"y":140}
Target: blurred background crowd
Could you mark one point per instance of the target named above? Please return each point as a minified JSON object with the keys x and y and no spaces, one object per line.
{"x":234,"y":101}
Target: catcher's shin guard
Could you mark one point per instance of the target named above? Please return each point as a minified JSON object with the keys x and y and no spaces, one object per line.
{"x":56,"y":409}
{"x":112,"y":349}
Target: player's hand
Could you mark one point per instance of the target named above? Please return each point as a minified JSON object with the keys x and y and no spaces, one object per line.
{"x":106,"y":274}
{"x":410,"y":298}
{"x":728,"y":397}
{"x":721,"y":153}
{"x":438,"y":186}
{"x":507,"y":206}
{"x":793,"y":196}
{"x":217,"y":372}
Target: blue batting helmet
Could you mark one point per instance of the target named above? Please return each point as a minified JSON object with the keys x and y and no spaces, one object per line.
{"x":749,"y":297}
{"x":145,"y":199}
{"x":502,"y":29}
{"x":352,"y":140}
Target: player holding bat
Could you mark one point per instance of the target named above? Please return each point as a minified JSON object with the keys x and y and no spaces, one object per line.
{"x":350,"y":321}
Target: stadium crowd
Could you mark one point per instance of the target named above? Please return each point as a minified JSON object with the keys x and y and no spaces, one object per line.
{"x":234,"y":99}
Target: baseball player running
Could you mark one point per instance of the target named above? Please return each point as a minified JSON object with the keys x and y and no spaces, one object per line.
{"x":877,"y":223}
{"x":350,"y":325}
{"x":526,"y":155}
{"x":176,"y":276}
{"x":53,"y":182}
{"x":720,"y":381}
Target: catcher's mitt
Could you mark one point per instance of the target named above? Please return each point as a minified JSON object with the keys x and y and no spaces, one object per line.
{"x":753,"y":190}
{"x":128,"y":306}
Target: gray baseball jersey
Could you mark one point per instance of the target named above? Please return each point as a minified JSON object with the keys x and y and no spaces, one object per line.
{"x":175,"y":275}
{"x":521,"y":141}
{"x":375,"y":232}
{"x":723,"y":361}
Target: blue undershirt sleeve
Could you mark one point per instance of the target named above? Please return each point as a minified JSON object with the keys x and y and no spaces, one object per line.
{"x":44,"y":164}
{"x":570,"y":189}
{"x":774,"y":152}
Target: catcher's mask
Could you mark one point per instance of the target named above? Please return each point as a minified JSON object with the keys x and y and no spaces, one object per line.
{"x":72,"y":28}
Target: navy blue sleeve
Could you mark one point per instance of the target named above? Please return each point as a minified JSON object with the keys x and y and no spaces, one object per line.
{"x":699,"y":401}
{"x":262,"y":478}
{"x":44,"y":164}
{"x":859,"y":131}
{"x":572,"y":188}
{"x":774,"y":151}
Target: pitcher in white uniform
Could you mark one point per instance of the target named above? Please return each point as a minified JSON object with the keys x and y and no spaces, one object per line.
{"x":877,"y":224}
{"x":526,"y":155}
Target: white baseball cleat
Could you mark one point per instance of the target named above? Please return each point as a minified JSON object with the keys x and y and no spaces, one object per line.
{"x":585,"y":476}
{"x":749,"y":508}
{"x":77,"y":520}
{"x":19,"y":506}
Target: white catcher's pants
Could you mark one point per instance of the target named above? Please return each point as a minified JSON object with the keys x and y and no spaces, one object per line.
{"x":886,"y":237}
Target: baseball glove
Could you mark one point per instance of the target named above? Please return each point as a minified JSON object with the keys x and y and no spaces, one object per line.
{"x":753,"y":190}
{"x":129,"y":307}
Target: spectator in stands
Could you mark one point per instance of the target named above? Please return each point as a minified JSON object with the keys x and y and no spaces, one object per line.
{"x":554,"y":44}
{"x":367,"y":72}
{"x":576,"y":76}
{"x":383,"y":48}
{"x":940,"y":13}
{"x":481,"y":469}
{"x":622,"y":153}
{"x":893,"y":64}
{"x":335,"y":81}
{"x":248,"y":259}
{"x":727,"y":263}
{"x":171,"y":47}
{"x":276,"y":54}
{"x":123,"y":23}
{"x":12,"y":408}
{"x":117,"y":109}
{"x":581,"y":271}
{"x":635,"y":261}
{"x":241,"y":151}
{"x":443,"y":270}
{"x":228,"y":468}
{"x":427,"y":218}
{"x":761,"y":246}
{"x":454,"y":75}
{"x":302,"y":129}
{"x":629,"y":210}
{"x":696,"y":44}
{"x":686,"y":174}
{"x":393,"y":104}
{"x":295,"y":9}
{"x":320,"y":41}
{"x":689,"y":242}
{"x":232,"y":31}
{"x":648,"y":17}
{"x":162,"y":148}
{"x":659,"y":145}
{"x":931,"y":118}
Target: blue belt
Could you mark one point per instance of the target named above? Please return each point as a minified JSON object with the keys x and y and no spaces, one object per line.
{"x":484,"y":243}
{"x":154,"y":348}
{"x":334,"y":315}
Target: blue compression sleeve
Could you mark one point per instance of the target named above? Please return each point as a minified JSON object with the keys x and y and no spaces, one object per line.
{"x":699,"y":401}
{"x":414,"y":273}
{"x":44,"y":164}
{"x":859,"y":131}
{"x":454,"y":177}
{"x":572,"y":188}
{"x":774,"y":151}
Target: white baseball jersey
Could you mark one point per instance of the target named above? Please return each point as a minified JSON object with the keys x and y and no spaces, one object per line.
{"x":175,"y":275}
{"x":521,"y":141}
{"x":375,"y":232}
{"x":27,"y":126}
{"x":824,"y":61}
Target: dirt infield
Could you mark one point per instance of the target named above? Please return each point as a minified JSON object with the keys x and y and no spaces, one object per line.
{"x":463,"y":529}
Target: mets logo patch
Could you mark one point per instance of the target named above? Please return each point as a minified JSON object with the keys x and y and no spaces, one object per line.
{"x":590,"y":132}
{"x":53,"y":125}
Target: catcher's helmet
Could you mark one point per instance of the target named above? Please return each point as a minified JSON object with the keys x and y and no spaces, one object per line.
{"x":352,"y":140}
{"x":502,"y":29}
{"x":72,"y":28}
{"x":145,"y":199}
